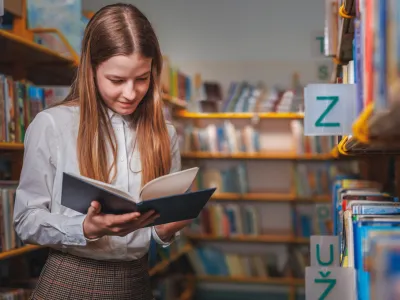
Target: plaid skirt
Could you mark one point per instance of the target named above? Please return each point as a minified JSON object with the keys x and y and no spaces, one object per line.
{"x":65,"y":276}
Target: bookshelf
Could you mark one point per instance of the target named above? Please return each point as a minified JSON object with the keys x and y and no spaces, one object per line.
{"x":227,"y":115}
{"x":256,"y":156}
{"x":12,"y":146}
{"x":269,"y":197}
{"x":270,"y":188}
{"x":22,"y":58}
{"x":364,"y":58}
{"x":188,"y":293}
{"x":163,"y":265}
{"x":284,"y":238}
{"x":254,"y":280}
{"x":373,"y":133}
{"x":174,"y":101}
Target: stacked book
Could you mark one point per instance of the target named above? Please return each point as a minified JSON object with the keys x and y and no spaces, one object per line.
{"x":367,"y":222}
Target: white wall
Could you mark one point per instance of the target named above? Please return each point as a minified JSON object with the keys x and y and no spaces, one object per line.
{"x":227,"y":40}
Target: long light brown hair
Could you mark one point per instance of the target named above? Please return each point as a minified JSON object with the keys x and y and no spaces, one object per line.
{"x":118,"y":29}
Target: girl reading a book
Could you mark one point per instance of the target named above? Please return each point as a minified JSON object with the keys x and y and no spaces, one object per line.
{"x":109,"y":128}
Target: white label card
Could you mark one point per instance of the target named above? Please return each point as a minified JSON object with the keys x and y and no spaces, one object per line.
{"x":329,"y":109}
{"x":335,"y":283}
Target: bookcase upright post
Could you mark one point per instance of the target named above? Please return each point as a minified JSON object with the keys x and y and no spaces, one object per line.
{"x":20,"y":27}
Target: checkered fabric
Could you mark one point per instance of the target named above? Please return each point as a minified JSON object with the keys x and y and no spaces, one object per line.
{"x":65,"y":276}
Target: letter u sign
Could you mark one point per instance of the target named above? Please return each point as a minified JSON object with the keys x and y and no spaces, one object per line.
{"x":324,"y":251}
{"x":331,"y":256}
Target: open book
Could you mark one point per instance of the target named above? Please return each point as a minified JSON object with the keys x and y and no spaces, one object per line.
{"x":169,"y":195}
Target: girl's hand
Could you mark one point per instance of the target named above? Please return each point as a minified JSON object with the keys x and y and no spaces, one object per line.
{"x":166,"y":231}
{"x":97,"y":224}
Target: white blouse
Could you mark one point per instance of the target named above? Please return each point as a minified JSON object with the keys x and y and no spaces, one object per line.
{"x":50,"y":149}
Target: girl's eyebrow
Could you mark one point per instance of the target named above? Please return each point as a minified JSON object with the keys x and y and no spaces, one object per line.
{"x":144,"y":74}
{"x":114,"y":76}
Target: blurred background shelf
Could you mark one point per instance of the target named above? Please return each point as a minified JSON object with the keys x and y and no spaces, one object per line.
{"x":270,"y":197}
{"x":253,"y":280}
{"x":255,"y":156}
{"x":162,"y":266}
{"x":12,"y":146}
{"x":264,"y":238}
{"x":18,"y":251}
{"x":227,"y":115}
{"x":174,"y":101}
{"x":24,"y":59}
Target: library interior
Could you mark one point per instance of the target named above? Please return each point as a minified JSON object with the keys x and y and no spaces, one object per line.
{"x":288,"y":118}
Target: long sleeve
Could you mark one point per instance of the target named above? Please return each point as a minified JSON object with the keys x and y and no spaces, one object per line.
{"x":175,"y":167}
{"x":33,"y":221}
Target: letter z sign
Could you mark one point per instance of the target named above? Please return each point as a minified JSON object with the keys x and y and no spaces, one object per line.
{"x":320,"y":121}
{"x":329,"y":109}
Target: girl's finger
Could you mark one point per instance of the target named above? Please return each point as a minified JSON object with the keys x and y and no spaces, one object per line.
{"x":97,"y":206}
{"x":150,"y":220}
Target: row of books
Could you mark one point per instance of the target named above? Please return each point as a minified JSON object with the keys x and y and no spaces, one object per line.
{"x":223,"y":138}
{"x":8,"y":238}
{"x":211,"y":261}
{"x":19,"y":104}
{"x":310,"y":144}
{"x":175,"y":83}
{"x":374,"y":67}
{"x":367,"y":222}
{"x":247,"y":97}
{"x":298,"y":260}
{"x":230,"y":220}
{"x":228,"y":138}
{"x":314,"y":179}
{"x":307,"y":221}
{"x":232,"y":179}
{"x":310,"y":179}
{"x":227,"y":220}
{"x":376,"y":53}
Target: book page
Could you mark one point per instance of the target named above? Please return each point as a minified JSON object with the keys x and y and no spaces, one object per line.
{"x":103,"y":185}
{"x":168,"y":185}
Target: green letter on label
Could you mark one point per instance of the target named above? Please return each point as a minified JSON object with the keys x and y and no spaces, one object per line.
{"x":321,"y":44}
{"x":335,"y":100}
{"x":330,"y":256}
{"x":331,"y":285}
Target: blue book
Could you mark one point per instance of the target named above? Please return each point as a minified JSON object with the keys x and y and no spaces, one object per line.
{"x":78,"y":192}
{"x":361,"y":230}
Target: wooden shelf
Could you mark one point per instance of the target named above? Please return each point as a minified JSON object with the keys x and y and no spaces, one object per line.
{"x":34,"y":62}
{"x":256,"y":156}
{"x":18,"y":251}
{"x":255,"y":280}
{"x":179,"y":103}
{"x":270,"y":238}
{"x":12,"y":146}
{"x":270,"y":197}
{"x":268,"y":115}
{"x":187,"y":294}
{"x":160,"y":267}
